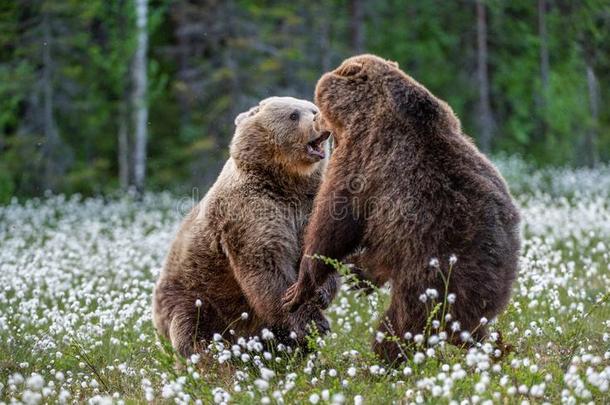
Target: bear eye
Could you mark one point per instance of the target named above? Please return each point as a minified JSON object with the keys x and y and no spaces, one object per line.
{"x":294,"y":116}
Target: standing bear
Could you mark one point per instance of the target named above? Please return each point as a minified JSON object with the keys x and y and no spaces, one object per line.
{"x":407,"y":188}
{"x":239,"y":249}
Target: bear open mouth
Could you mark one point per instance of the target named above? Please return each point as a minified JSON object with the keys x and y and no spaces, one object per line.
{"x":316,"y":147}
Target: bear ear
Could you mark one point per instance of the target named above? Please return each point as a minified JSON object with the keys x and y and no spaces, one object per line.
{"x":241,"y":117}
{"x":349,"y":69}
{"x":393,"y":63}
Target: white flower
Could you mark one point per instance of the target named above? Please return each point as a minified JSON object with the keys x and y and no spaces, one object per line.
{"x":35,"y":382}
{"x":244,"y":316}
{"x":451,"y":298}
{"x":314,"y":399}
{"x":432,"y":293}
{"x":483,"y":321}
{"x":266,"y":334}
{"x":419,"y":358}
{"x":261,"y":384}
{"x":423,"y":297}
{"x":434,"y":263}
{"x":338,"y":398}
{"x":351,"y":371}
{"x":198,"y":303}
{"x":267,"y":374}
{"x":452,"y":259}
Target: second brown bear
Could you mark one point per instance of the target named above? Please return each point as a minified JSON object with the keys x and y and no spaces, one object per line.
{"x":409,"y":188}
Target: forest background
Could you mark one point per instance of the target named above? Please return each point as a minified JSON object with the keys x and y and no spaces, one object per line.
{"x":99,"y":96}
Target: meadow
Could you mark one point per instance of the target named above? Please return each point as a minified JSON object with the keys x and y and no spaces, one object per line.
{"x":76,"y":276}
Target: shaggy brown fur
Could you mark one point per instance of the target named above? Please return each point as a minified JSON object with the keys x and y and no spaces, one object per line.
{"x":239,"y":249}
{"x":406,"y":185}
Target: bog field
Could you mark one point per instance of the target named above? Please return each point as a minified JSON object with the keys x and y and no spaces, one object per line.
{"x":75,"y":326}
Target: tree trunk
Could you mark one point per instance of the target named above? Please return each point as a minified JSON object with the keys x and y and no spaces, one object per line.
{"x":51,"y":136}
{"x":140,"y":106}
{"x":544,"y":46}
{"x":544,"y":64}
{"x":123,"y":150}
{"x":486,"y":122}
{"x":324,"y":39}
{"x":594,"y":101}
{"x":356,"y":25}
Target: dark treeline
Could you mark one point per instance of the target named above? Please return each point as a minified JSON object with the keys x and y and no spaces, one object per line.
{"x":97,"y":95}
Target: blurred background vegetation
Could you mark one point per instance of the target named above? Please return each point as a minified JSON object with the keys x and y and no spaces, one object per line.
{"x":103,"y":95}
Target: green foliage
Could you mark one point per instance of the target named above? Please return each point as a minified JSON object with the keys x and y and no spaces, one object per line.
{"x":210,"y":60}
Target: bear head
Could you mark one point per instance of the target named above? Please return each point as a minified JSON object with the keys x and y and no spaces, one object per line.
{"x":280,"y":132}
{"x":366,"y":88}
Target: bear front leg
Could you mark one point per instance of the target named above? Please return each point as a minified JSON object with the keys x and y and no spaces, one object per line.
{"x":327,"y":292}
{"x":259,"y":255}
{"x":308,"y":316}
{"x":333,"y":231}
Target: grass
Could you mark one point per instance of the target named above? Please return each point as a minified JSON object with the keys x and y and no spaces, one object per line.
{"x":75,"y":285}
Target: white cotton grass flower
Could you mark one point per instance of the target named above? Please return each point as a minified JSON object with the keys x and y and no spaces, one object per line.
{"x":434,"y":263}
{"x":266,"y":373}
{"x":261,"y":385}
{"x":432,"y":293}
{"x":338,"y":399}
{"x":453,"y":259}
{"x":35,"y":382}
{"x":266,"y":334}
{"x":198,"y":303}
{"x":84,"y":269}
{"x":244,"y":316}
{"x":419,"y":358}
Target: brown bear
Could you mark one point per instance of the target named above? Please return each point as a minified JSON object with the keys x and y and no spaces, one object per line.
{"x":239,"y":249}
{"x":408,"y":188}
